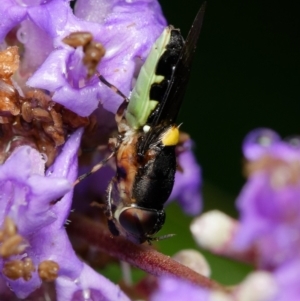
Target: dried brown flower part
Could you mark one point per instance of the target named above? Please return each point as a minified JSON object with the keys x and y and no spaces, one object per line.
{"x":93,"y":51}
{"x":80,"y":38}
{"x":73,"y":121}
{"x":15,"y":269}
{"x":11,"y":243}
{"x":9,"y":62}
{"x":12,"y":246}
{"x":48,"y":270}
{"x":28,"y":268}
{"x":33,"y":119}
{"x":9,"y":100}
{"x":40,"y":110}
{"x":9,"y":228}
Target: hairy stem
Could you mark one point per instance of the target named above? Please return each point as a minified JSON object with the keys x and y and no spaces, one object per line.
{"x":141,"y":256}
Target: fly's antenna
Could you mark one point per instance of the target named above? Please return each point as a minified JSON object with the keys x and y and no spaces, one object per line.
{"x":150,"y":239}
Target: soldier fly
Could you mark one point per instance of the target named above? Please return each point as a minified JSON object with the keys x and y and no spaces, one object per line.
{"x":144,"y":149}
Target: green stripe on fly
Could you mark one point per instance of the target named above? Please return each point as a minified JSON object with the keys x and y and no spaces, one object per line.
{"x":152,"y":82}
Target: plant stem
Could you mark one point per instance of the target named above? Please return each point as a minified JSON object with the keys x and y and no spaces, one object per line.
{"x":141,"y":256}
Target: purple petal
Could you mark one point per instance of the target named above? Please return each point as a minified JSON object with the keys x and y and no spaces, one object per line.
{"x":27,"y":197}
{"x":35,"y":165}
{"x":52,"y":243}
{"x":52,"y":17}
{"x":258,"y":142}
{"x":178,"y":290}
{"x":188,"y":182}
{"x":37,"y":46}
{"x":83,"y":101}
{"x":57,"y":19}
{"x":52,"y":74}
{"x":66,"y":165}
{"x":88,"y":286}
{"x":142,"y":23}
{"x":269,"y":202}
{"x":288,"y":282}
{"x":11,"y":15}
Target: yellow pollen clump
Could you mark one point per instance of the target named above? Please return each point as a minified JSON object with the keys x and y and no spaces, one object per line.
{"x":48,"y":270}
{"x":171,"y":136}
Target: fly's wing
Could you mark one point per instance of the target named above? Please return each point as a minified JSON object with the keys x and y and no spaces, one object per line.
{"x":174,"y":95}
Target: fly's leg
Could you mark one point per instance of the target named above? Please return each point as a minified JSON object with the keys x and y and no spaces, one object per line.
{"x":94,"y":169}
{"x":113,"y":144}
{"x":109,"y":202}
{"x":121,"y":110}
{"x":110,"y":208}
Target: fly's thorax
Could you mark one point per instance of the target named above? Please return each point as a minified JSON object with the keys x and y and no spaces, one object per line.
{"x":125,"y":129}
{"x":127,"y":165}
{"x":159,"y":136}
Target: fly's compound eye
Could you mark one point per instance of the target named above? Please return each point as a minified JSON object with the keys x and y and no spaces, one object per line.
{"x":141,"y":222}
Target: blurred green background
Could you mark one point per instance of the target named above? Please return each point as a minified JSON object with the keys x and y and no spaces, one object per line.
{"x":245,"y":75}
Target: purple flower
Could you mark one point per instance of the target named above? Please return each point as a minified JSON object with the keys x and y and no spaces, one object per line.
{"x":287,"y":279}
{"x":178,"y":290}
{"x":269,"y":202}
{"x":38,"y":204}
{"x":88,"y":286}
{"x":258,"y":285}
{"x":54,"y":17}
{"x":140,"y":22}
{"x":40,"y":22}
{"x":188,"y":181}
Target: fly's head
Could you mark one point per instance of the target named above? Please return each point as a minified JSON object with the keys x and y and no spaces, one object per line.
{"x":139,"y":224}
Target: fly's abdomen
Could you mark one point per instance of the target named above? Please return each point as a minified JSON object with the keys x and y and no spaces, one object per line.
{"x":154,"y":181}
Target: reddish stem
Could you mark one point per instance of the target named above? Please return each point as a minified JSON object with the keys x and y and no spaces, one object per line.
{"x":140,"y":256}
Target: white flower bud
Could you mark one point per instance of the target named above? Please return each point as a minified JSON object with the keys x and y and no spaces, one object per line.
{"x":213,"y":230}
{"x":193,"y":260}
{"x":258,"y":286}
